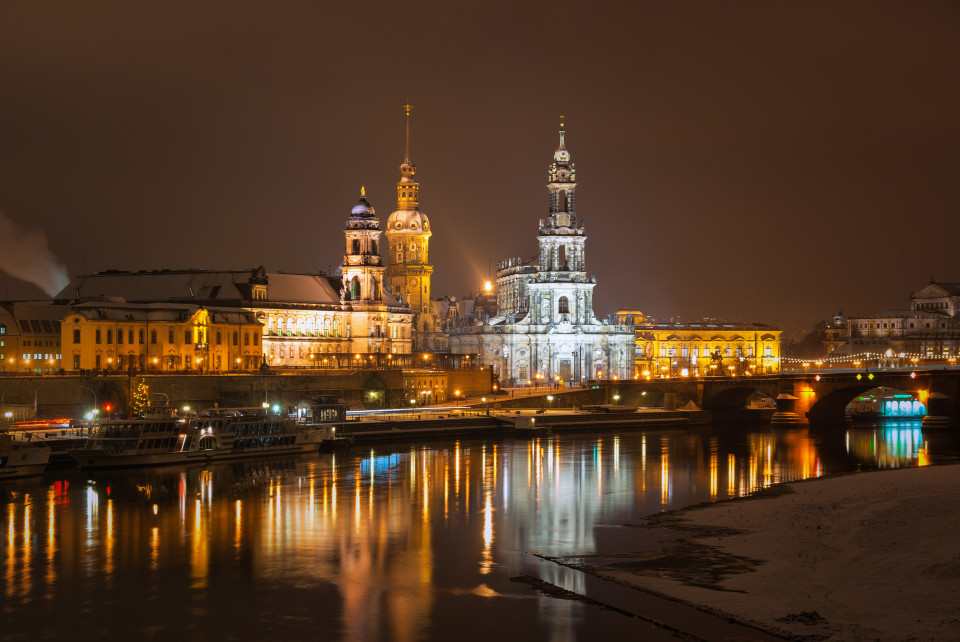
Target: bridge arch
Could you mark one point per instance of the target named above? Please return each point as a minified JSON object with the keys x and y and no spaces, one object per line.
{"x":831,"y":407}
{"x":735,"y":397}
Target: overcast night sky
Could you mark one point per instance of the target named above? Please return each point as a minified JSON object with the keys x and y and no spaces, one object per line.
{"x":751,"y":161}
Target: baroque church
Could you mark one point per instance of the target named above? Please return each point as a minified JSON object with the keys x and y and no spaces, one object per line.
{"x":545,"y":327}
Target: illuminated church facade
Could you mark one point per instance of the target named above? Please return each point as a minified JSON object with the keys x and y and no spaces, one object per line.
{"x":545,"y":327}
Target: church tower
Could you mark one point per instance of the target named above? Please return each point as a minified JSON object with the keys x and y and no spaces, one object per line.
{"x":561,"y":291}
{"x":362,"y":267}
{"x":408,"y":236}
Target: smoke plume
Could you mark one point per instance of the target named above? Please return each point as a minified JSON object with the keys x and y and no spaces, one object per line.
{"x":24,"y":254}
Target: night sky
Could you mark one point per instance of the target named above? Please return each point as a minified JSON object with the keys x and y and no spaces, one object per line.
{"x":753,"y":161}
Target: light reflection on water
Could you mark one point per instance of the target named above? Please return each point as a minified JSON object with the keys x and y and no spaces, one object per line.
{"x":389,"y":542}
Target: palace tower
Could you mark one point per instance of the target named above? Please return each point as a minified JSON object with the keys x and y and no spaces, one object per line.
{"x":408,"y":237}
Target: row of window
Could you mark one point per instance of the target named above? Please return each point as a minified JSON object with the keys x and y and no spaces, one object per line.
{"x":33,"y":326}
{"x":188,"y":337}
{"x":355,"y":246}
{"x":864,"y":325}
{"x":291,"y":324}
{"x":687,"y":352}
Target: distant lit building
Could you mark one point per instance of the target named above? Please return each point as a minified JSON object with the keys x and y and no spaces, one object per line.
{"x":545,"y":327}
{"x":929,"y":329}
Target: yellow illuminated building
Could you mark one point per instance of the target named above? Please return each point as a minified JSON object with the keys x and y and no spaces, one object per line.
{"x":159,"y":338}
{"x":30,"y":337}
{"x":705,"y":348}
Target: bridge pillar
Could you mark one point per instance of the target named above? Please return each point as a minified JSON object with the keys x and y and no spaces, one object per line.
{"x":786,"y":413}
{"x":939,"y":409}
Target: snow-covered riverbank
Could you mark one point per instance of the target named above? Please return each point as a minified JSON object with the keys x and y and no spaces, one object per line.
{"x":856,"y":557}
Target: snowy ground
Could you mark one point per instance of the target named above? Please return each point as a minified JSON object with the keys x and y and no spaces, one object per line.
{"x":872,"y":556}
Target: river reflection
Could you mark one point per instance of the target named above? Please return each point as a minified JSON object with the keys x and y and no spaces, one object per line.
{"x":390,"y":542}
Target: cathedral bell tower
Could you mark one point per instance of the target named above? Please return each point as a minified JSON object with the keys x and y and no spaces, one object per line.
{"x":562,"y":291}
{"x":362,"y":265}
{"x":408,"y":236}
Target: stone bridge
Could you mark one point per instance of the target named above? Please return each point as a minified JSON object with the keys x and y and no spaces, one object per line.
{"x":820,"y":398}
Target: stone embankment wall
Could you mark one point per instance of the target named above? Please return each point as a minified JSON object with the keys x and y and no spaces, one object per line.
{"x":71,"y":396}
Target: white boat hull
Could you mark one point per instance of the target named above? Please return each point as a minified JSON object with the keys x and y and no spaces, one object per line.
{"x":23,"y":462}
{"x":137,"y":458}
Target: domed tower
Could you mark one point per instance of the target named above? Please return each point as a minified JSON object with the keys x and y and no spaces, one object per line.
{"x":362,"y":265}
{"x":408,"y":236}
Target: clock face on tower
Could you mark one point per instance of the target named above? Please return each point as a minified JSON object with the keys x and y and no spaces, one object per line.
{"x":563,"y":174}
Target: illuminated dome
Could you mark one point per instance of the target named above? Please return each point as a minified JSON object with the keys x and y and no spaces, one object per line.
{"x":412,"y":220}
{"x":363,"y":214}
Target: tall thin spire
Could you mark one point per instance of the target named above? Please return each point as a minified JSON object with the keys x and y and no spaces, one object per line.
{"x":406,"y":150}
{"x":562,"y":129}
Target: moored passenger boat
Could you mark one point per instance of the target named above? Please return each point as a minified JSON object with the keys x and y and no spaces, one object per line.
{"x":218,"y":434}
{"x":20,"y":458}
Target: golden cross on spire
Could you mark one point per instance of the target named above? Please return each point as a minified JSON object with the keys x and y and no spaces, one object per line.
{"x":363,"y":192}
{"x":561,"y":121}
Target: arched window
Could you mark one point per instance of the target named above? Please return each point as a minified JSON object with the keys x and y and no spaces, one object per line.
{"x":356,"y":246}
{"x":562,"y":201}
{"x":236,"y":338}
{"x":373,"y":246}
{"x":336,"y":327}
{"x":219,"y":338}
{"x":563,"y":305}
{"x":562,"y":258}
{"x":354,"y":289}
{"x":326,"y":327}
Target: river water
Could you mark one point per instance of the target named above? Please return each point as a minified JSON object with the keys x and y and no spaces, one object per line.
{"x":411,"y":541}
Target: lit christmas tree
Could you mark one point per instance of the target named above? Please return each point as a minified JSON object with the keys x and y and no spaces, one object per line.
{"x":140,"y":400}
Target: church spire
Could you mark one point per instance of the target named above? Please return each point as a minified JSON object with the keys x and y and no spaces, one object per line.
{"x":406,"y":149}
{"x":408,"y":190}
